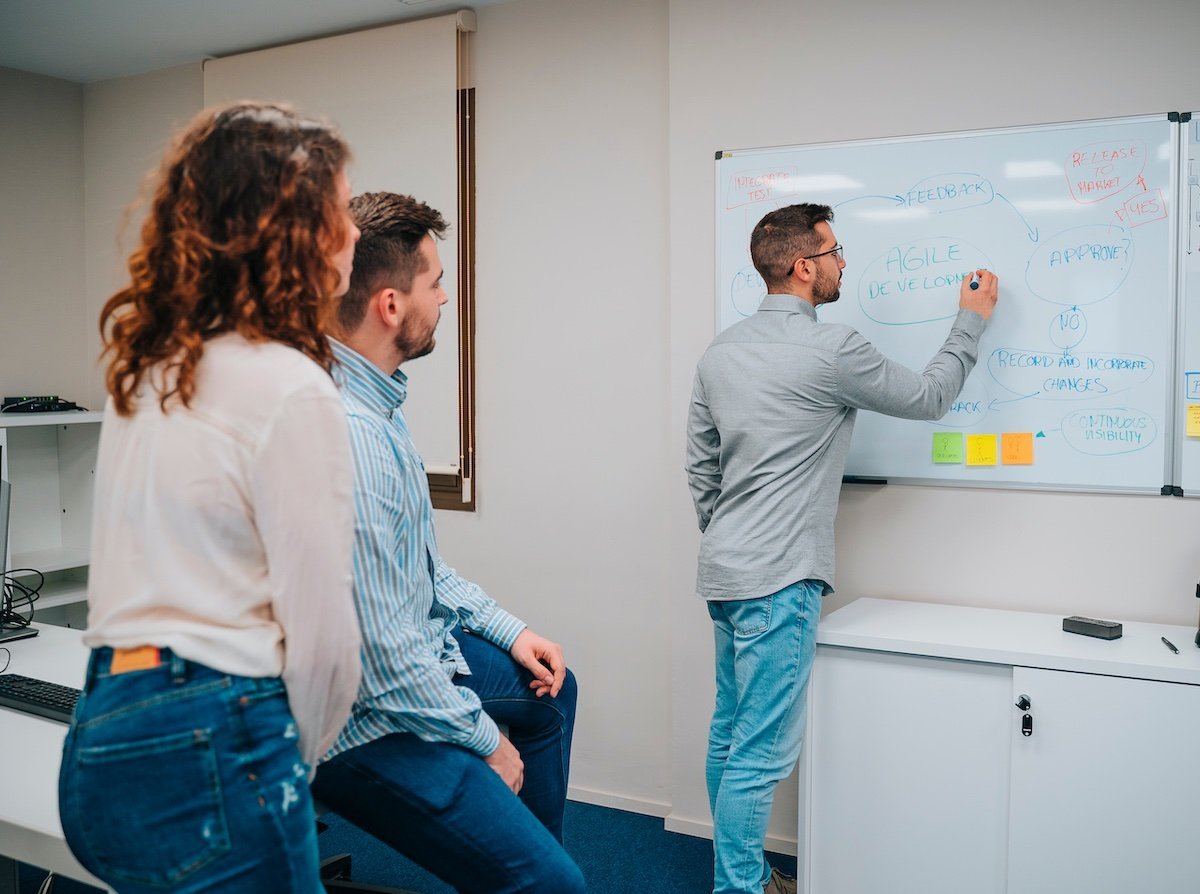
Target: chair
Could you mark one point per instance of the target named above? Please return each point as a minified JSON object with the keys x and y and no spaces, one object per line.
{"x":336,"y":870}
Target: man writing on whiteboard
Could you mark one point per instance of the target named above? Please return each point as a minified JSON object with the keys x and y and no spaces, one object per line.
{"x":422,"y":764}
{"x":773,"y":407}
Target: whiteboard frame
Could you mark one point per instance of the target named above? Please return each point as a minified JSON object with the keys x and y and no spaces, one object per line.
{"x":1172,"y":440}
{"x":1184,"y":248}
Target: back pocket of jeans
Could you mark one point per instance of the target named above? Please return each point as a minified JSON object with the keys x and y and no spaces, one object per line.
{"x":150,"y":812}
{"x":751,"y":617}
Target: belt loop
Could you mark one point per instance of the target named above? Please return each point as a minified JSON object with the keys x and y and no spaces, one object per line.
{"x":178,"y":668}
{"x":94,"y":661}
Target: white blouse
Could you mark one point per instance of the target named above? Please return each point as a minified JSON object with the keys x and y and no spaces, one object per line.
{"x":224,"y":531}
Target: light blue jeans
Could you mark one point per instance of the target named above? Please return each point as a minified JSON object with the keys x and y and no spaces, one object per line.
{"x":764,"y":654}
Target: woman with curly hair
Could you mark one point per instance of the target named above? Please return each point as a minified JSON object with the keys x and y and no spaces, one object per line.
{"x":224,"y":639}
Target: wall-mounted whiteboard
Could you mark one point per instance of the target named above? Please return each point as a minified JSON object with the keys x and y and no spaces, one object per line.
{"x":1188,"y":383}
{"x":1071,"y":390}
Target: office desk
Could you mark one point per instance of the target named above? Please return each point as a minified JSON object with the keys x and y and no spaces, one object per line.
{"x":31,"y":747}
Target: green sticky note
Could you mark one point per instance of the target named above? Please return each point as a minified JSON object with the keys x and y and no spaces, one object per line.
{"x":947,"y":447}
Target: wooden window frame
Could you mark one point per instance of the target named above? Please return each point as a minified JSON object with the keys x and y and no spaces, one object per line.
{"x":457,"y":490}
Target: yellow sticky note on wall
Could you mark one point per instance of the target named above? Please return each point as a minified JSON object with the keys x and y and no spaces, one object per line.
{"x":1193,"y":420}
{"x":981,"y":450}
{"x":947,"y":447}
{"x":1016,"y":448}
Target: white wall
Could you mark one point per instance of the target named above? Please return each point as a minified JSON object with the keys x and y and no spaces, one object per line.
{"x":127,"y":125}
{"x":779,"y":72}
{"x":67,"y":176}
{"x":574,"y":468}
{"x":41,"y":236}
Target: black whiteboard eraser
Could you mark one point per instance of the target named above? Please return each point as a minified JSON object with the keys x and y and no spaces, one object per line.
{"x":862,"y":479}
{"x":1092,"y":627}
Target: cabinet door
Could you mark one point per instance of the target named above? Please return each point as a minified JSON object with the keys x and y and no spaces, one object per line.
{"x":909,"y":772}
{"x":1105,"y":792}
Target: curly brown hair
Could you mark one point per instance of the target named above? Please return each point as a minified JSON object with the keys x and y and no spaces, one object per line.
{"x":240,"y":236}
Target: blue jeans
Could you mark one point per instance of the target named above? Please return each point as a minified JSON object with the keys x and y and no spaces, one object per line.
{"x":182,"y":778}
{"x":445,"y":809}
{"x":764,"y":654}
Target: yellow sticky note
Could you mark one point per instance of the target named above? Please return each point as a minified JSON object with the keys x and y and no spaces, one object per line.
{"x":1016,"y":448}
{"x":947,"y":447}
{"x":981,"y":450}
{"x":1193,"y":420}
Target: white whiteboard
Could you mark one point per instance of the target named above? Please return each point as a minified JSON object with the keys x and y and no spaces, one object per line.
{"x":1188,"y":383}
{"x":1072,"y":385}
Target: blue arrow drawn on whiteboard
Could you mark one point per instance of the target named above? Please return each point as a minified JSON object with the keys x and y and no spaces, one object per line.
{"x":1042,"y":434}
{"x":895,"y":200}
{"x":1033,"y":231}
{"x":995,"y":401}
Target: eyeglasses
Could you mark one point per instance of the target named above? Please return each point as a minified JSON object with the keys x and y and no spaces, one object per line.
{"x":836,"y":250}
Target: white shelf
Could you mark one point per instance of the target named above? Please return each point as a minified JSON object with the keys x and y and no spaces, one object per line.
{"x":71,"y":417}
{"x":48,"y":561}
{"x":56,"y":593}
{"x":50,"y":459}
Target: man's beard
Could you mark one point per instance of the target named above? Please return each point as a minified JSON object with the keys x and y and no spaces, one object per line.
{"x":827,"y":290}
{"x":412,"y":344}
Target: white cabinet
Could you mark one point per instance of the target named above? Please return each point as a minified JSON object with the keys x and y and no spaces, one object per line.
{"x":1105,"y":793}
{"x":920,"y":778}
{"x":50,"y":460}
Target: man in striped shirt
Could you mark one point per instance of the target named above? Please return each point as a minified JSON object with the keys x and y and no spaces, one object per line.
{"x":421,"y":764}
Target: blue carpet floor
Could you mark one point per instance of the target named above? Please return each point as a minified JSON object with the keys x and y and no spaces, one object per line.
{"x":619,"y":853}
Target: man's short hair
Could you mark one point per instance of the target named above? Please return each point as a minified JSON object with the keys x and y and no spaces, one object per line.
{"x":388,"y":253}
{"x":783,"y":236}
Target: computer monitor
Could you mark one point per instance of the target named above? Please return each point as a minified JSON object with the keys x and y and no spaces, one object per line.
{"x":12,"y":625}
{"x":5,"y":502}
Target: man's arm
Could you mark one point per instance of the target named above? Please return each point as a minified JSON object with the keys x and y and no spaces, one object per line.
{"x":479,"y":613}
{"x":870,"y":381}
{"x":306,"y":536}
{"x":476,"y":610}
{"x":403,"y":677}
{"x":703,"y":454}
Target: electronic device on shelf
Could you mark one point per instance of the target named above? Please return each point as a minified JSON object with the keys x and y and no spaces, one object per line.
{"x":41,"y":697}
{"x":49,"y":403}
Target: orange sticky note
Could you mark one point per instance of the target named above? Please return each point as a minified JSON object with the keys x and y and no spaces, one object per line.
{"x":981,"y":450}
{"x":1016,"y":448}
{"x":1193,"y":421}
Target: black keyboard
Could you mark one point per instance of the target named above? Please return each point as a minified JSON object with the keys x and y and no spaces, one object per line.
{"x":38,"y":697}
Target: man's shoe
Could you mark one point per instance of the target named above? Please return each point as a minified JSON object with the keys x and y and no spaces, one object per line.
{"x":779,"y":883}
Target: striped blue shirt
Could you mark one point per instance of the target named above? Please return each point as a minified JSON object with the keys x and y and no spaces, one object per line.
{"x":408,"y":599}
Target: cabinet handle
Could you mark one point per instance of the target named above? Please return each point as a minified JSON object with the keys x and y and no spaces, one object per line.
{"x":1027,"y":725}
{"x":1023,"y":702}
